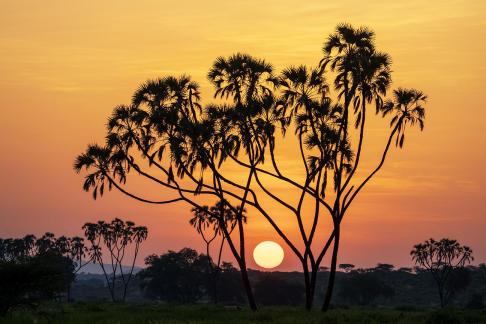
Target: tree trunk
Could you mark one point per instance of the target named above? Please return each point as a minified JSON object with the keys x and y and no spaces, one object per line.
{"x":313,"y":283}
{"x":332,"y":274}
{"x":247,"y":286}
{"x":215,"y":285}
{"x":308,"y":289}
{"x":69,"y":293}
{"x":441,"y":296}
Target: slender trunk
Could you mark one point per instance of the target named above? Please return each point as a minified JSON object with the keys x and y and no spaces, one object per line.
{"x":332,"y":274}
{"x":69,"y":292}
{"x":441,"y":296}
{"x":215,"y":285}
{"x":111,"y":287}
{"x":315,"y":270}
{"x":218,"y":270}
{"x":247,"y":286}
{"x":308,"y":290}
{"x":211,"y":274}
{"x":244,"y":274}
{"x":130,"y":274}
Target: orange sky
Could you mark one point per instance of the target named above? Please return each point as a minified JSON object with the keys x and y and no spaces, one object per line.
{"x":65,"y":64}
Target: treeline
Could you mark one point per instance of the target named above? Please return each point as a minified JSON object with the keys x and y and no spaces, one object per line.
{"x":184,"y":277}
{"x":34,"y":270}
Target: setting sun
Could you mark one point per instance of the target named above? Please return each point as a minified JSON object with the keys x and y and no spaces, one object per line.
{"x":268,"y":254}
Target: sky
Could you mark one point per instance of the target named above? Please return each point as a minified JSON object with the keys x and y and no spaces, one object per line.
{"x":65,"y":64}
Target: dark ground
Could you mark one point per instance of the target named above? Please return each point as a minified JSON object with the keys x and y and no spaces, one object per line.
{"x":160,"y":313}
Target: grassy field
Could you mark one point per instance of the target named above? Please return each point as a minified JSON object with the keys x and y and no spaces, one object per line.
{"x":153,"y":313}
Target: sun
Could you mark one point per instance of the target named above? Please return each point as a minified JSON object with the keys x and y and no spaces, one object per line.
{"x":268,"y":254}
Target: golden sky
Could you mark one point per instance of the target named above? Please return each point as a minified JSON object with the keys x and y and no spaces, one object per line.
{"x":65,"y":64}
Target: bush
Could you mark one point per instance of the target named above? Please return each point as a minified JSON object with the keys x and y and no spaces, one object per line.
{"x":37,"y":278}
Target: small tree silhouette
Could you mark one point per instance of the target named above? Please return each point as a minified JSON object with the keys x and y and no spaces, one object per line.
{"x":114,"y":237}
{"x":384,"y":267}
{"x":346,"y":267}
{"x":208,"y":222}
{"x":442,"y":258}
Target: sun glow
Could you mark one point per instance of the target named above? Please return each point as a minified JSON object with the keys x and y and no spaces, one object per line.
{"x":268,"y":254}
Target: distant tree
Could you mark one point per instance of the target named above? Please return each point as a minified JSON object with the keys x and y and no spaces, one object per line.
{"x":28,"y":246}
{"x":48,"y":242}
{"x":114,"y":238}
{"x":75,"y":249}
{"x":32,"y":270}
{"x":17,"y":249}
{"x":363,"y":288}
{"x":384,"y":267}
{"x":37,"y":278}
{"x":175,"y":276}
{"x":442,"y":259}
{"x":271,"y":290}
{"x":405,"y":269}
{"x":78,"y":252}
{"x":209,"y":228}
{"x":346,"y":267}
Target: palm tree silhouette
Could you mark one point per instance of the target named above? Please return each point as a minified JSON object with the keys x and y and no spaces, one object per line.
{"x":371,"y":77}
{"x":209,"y":223}
{"x":304,"y":92}
{"x":242,"y":77}
{"x":188,"y":146}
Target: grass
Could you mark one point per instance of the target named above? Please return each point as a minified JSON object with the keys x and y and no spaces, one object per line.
{"x":162,"y":313}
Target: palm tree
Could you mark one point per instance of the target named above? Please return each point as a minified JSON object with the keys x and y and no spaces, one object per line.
{"x":169,"y":92}
{"x":214,"y":219}
{"x":406,"y":109}
{"x":97,"y":159}
{"x":304,"y":92}
{"x":372,"y":76}
{"x":164,"y":125}
{"x":442,"y":258}
{"x":345,"y":51}
{"x":248,"y":82}
{"x":202,"y":220}
{"x":242,"y":77}
{"x":342,"y":52}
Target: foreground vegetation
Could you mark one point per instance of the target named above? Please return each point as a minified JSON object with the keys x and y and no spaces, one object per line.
{"x":162,"y":313}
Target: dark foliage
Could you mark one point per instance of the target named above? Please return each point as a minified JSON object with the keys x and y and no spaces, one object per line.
{"x":182,"y":277}
{"x":175,"y":276}
{"x":272,"y":290}
{"x":363,"y":288}
{"x":33,"y":279}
